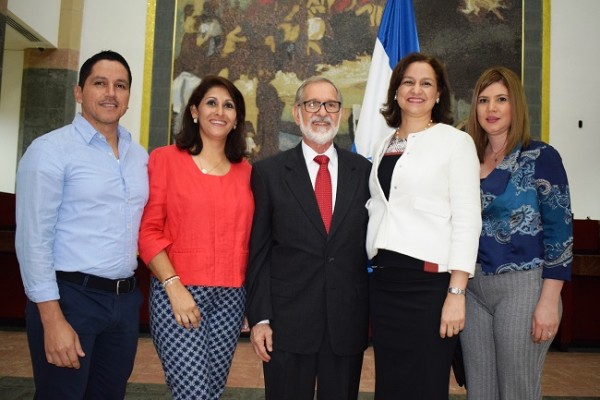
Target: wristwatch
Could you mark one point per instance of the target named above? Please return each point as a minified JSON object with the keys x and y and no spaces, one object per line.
{"x":455,"y":290}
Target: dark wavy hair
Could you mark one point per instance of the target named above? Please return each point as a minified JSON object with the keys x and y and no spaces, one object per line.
{"x":86,"y":69}
{"x":189,"y":137}
{"x":442,"y":111}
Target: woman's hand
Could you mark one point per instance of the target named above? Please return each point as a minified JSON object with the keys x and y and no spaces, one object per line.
{"x":454,"y":309}
{"x":545,"y":322}
{"x":245,"y":325}
{"x":453,"y":315}
{"x":185,"y":309}
{"x":546,"y":316}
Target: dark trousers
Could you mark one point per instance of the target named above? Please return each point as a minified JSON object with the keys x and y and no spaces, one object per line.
{"x":107,"y":325}
{"x":292,"y":376}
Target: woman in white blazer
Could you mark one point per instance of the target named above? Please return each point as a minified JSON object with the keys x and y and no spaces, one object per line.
{"x":424,"y":225}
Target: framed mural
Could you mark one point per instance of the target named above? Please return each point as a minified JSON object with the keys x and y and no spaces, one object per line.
{"x":268,"y":47}
{"x":470,"y":36}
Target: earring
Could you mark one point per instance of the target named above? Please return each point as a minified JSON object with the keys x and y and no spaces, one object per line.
{"x":234,"y":126}
{"x":396,"y":96}
{"x":437,"y":101}
{"x":195,"y":120}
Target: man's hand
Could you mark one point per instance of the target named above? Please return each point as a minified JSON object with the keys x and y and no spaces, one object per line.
{"x":261,"y":337}
{"x":61,"y":342}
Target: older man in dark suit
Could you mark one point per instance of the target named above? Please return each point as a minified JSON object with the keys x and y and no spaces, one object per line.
{"x":307,"y":281}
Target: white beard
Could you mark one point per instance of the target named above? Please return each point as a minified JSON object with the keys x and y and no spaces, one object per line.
{"x":319,"y":136}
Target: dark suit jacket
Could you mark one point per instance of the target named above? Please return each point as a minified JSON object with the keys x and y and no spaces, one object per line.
{"x":305,"y":281}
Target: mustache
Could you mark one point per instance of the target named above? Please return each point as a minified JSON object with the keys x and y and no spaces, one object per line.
{"x":109,"y":100}
{"x":316,"y":118}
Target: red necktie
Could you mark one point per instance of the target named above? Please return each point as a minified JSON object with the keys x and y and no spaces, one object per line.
{"x":323,"y":190}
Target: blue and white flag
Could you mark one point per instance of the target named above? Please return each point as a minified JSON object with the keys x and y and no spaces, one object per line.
{"x":396,"y":38}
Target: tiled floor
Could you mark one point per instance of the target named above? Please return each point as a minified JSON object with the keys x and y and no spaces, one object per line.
{"x":565,"y":373}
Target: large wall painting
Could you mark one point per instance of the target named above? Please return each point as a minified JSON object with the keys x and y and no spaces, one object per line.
{"x":268,"y":47}
{"x":470,"y":36}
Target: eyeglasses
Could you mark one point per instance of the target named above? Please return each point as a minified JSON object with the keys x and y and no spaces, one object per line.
{"x":313,"y":106}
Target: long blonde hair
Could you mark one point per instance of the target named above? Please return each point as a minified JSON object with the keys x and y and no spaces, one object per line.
{"x":518,"y":133}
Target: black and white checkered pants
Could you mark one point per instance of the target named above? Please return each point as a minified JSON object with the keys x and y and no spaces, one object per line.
{"x":196,"y":362}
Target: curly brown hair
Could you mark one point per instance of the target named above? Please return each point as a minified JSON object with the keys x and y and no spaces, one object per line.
{"x":442,"y":111}
{"x":189,"y":139}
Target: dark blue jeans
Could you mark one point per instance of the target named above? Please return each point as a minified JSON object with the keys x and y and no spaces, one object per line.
{"x":108,"y":327}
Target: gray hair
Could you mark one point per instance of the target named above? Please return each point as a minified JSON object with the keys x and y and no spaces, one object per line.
{"x":315,"y":79}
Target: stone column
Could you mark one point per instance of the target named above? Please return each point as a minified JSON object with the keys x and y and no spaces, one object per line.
{"x":160,"y":109}
{"x":49,"y":76}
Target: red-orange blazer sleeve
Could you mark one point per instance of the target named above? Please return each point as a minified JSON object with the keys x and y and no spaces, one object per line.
{"x":152,"y":238}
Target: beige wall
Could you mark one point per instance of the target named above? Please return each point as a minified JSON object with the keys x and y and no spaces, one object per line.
{"x":574,"y":97}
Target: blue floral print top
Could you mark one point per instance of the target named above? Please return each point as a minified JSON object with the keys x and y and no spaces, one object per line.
{"x":527,"y":219}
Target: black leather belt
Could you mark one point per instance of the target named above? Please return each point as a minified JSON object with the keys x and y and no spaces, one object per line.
{"x":118,"y":286}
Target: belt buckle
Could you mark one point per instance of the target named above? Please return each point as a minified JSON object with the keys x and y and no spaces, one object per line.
{"x":121,"y":282}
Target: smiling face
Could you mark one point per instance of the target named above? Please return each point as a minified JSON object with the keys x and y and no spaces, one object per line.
{"x":320,"y":127}
{"x":104,"y":96}
{"x":494,"y":109}
{"x":418,"y":90}
{"x":216,"y":114}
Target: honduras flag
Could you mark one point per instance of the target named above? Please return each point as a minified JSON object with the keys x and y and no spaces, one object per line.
{"x":396,"y":38}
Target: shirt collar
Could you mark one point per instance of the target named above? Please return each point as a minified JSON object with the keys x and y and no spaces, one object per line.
{"x":87,"y":131}
{"x":310,"y":154}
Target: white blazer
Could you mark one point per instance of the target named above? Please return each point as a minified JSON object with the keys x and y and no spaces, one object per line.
{"x":434,"y":208}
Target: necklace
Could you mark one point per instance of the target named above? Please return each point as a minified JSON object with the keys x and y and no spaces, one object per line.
{"x":208,"y":171}
{"x":399,"y":135}
{"x":495,"y":153}
{"x":398,"y":144}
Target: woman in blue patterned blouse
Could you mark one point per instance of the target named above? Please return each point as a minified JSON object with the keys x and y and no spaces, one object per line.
{"x":525,"y":249}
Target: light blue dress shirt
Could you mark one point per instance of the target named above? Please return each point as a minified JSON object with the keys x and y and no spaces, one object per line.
{"x":78,"y":207}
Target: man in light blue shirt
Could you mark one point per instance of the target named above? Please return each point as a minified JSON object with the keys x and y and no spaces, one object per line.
{"x":81,"y":190}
